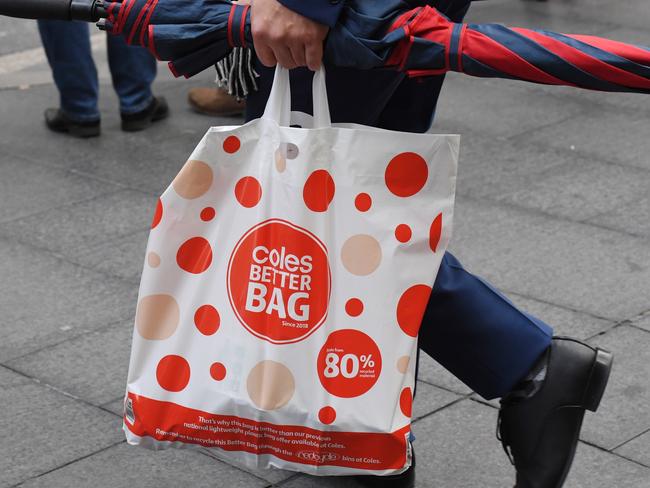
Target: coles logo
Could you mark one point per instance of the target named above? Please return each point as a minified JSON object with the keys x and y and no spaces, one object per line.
{"x":279,"y":281}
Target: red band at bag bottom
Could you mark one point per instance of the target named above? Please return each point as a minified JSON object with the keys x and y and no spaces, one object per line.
{"x":166,"y":421}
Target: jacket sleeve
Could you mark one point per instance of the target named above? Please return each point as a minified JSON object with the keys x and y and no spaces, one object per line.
{"x":323,"y":11}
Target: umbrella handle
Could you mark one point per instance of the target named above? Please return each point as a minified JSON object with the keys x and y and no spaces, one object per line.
{"x":87,"y":10}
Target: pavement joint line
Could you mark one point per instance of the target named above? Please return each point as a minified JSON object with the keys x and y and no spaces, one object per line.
{"x":630,"y":439}
{"x":444,"y":407}
{"x":483,"y":402}
{"x":558,"y":305}
{"x":82,"y":333}
{"x":448,"y":390}
{"x":634,"y":326}
{"x":540,"y":213}
{"x":63,"y":258}
{"x":51,"y":387}
{"x":600,"y":448}
{"x":69,"y":463}
{"x":526,"y":132}
{"x":207,"y":453}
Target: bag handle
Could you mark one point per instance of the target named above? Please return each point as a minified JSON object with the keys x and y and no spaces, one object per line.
{"x":278,"y":106}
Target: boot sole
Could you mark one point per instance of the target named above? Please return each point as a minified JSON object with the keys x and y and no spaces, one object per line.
{"x":598,"y":379}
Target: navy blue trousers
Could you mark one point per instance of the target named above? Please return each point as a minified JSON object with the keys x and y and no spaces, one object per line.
{"x":469,"y":326}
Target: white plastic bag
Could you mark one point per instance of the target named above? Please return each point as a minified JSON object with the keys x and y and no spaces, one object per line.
{"x":286,"y":276}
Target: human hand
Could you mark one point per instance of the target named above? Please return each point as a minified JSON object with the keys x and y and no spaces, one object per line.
{"x":281,"y":36}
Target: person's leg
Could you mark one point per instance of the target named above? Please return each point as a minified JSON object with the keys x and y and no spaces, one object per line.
{"x":67,"y":46}
{"x":478,"y":334}
{"x":133,"y":70}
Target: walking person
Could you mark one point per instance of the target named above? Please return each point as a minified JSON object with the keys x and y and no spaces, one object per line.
{"x":545,"y":383}
{"x":133,"y":70}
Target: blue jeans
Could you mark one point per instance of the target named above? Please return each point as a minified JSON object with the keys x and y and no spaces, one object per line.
{"x":67,"y":46}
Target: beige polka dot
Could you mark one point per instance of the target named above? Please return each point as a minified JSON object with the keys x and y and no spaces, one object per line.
{"x":280,"y":161}
{"x":361,"y":254}
{"x":403,"y":364}
{"x":194,"y":179}
{"x":157,"y":317}
{"x":153,"y":259}
{"x":270,"y":385}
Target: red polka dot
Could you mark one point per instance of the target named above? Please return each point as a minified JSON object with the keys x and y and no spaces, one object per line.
{"x":207,"y":320}
{"x":248,"y":191}
{"x":434,"y":232}
{"x":327,"y":415}
{"x":319,"y":191}
{"x":406,"y":402}
{"x":354,"y":307}
{"x":410,"y":308}
{"x":157,"y":216}
{"x":403,"y":233}
{"x":406,"y":174}
{"x":231,"y":144}
{"x":218,"y":371}
{"x":363,"y":202}
{"x":194,"y":255}
{"x":173,"y":373}
{"x":207,"y":214}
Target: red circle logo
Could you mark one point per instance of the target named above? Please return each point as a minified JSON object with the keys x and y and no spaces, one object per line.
{"x":279,"y":282}
{"x":349,"y":363}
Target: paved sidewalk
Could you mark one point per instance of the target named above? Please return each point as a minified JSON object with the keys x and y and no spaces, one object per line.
{"x":553,"y":207}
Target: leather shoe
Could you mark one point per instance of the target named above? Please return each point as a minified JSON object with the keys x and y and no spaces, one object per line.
{"x":402,"y":480}
{"x":57,"y":121}
{"x":540,"y":433}
{"x":214,"y":101}
{"x":155,"y":111}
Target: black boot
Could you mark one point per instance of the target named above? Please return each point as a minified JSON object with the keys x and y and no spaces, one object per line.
{"x":540,"y":432}
{"x":57,"y":121}
{"x":157,"y":110}
{"x":402,"y":480}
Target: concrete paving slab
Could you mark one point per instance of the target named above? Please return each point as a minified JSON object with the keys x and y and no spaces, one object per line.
{"x":615,"y":137}
{"x":43,"y":429}
{"x":580,"y":189}
{"x":534,"y":15}
{"x":623,"y":412}
{"x":79,"y":365}
{"x":633,"y":218}
{"x":430,"y":398}
{"x":456,"y":448}
{"x":638,"y":449}
{"x":45,"y":300}
{"x":125,"y":466}
{"x":77,"y":228}
{"x":595,"y":468}
{"x":563,"y":321}
{"x":122,"y":257}
{"x":643,"y":322}
{"x":495,"y":167}
{"x":28,"y":188}
{"x":477,"y":108}
{"x":576,"y":266}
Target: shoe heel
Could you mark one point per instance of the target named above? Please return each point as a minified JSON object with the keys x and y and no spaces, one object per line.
{"x":598,"y":381}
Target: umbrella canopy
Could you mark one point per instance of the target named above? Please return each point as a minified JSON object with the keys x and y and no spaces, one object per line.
{"x":192,"y":36}
{"x":420,"y":41}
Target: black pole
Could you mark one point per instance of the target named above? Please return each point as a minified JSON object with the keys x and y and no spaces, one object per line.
{"x":88,"y":10}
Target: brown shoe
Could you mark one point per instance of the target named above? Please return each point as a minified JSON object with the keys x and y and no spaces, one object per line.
{"x":214,"y":101}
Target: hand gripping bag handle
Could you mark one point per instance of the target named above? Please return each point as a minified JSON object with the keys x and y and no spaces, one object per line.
{"x":278,"y":106}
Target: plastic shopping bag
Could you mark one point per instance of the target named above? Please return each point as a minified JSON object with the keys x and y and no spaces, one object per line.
{"x":286,"y":275}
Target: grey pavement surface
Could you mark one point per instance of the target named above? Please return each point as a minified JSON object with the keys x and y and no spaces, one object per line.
{"x":553,"y":207}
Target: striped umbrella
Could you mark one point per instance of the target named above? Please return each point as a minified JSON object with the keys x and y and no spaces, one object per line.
{"x":421,"y":41}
